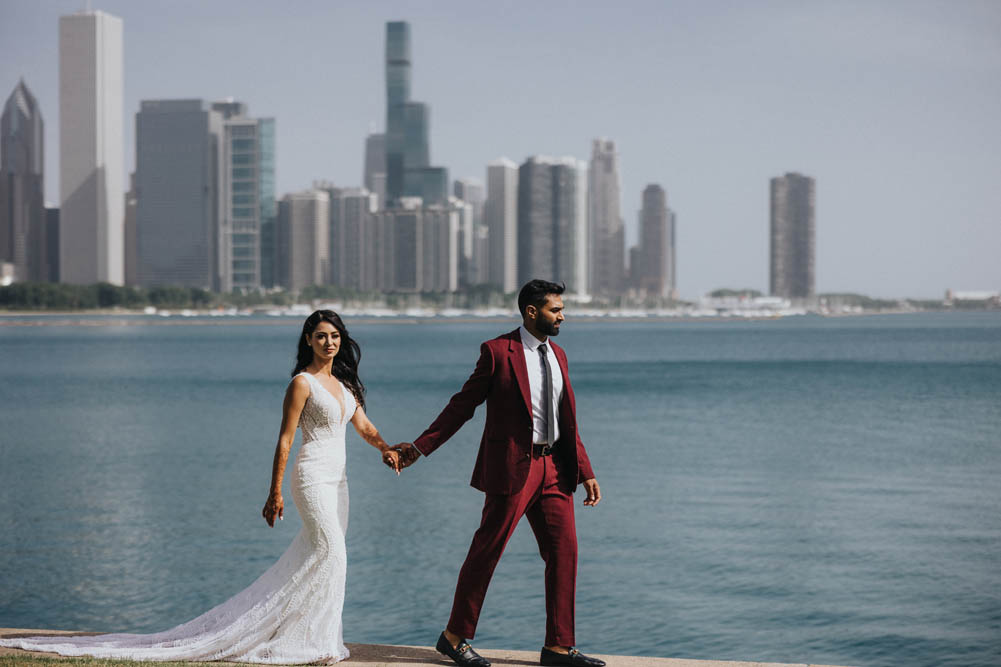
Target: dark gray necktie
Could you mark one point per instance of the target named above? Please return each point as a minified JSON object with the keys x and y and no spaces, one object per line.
{"x":547,"y":395}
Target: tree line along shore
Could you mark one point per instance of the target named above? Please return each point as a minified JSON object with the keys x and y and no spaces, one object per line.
{"x":41,"y":297}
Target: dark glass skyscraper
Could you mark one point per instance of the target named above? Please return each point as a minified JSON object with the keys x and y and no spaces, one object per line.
{"x":397,"y":96}
{"x":408,"y":146}
{"x":178,"y":145}
{"x":22,"y":199}
{"x":550,"y":217}
{"x":792,"y":239}
{"x":653,"y":270}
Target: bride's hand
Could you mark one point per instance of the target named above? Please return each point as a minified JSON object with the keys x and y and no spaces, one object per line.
{"x":391,"y":458}
{"x":274,"y":507}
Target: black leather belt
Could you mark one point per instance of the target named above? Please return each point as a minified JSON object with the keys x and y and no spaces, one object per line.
{"x":541,"y":450}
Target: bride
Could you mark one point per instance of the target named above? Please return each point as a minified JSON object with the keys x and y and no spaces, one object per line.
{"x":292,"y":613}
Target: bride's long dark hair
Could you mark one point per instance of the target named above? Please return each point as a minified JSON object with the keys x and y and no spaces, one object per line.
{"x":345,"y":366}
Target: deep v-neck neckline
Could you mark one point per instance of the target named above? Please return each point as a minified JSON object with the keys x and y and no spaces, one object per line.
{"x":340,"y":401}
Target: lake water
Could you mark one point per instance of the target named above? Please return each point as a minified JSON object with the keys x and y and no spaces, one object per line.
{"x":799,"y":490}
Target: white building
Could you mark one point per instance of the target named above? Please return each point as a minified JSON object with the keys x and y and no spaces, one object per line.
{"x":501,"y":216}
{"x":606,"y":241}
{"x":92,"y":234}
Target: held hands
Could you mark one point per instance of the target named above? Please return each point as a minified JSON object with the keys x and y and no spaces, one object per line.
{"x":408,"y":454}
{"x":400,"y":456}
{"x":274,"y":507}
{"x":593,"y":492}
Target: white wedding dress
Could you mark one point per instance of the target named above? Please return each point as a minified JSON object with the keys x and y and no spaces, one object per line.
{"x":292,"y":613}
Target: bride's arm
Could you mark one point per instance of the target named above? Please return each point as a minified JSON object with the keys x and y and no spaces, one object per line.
{"x":367,"y":430}
{"x":295,"y":399}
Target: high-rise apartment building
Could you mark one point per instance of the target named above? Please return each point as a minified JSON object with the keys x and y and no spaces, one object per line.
{"x":501,"y":215}
{"x":653,"y":269}
{"x":440,"y":245}
{"x":792,"y":238}
{"x":464,"y":240}
{"x":303,"y":242}
{"x":408,"y":152}
{"x":472,"y":265}
{"x":417,"y":247}
{"x":247,"y":234}
{"x":606,"y":247}
{"x":352,"y":242}
{"x":374,"y":177}
{"x":177,"y":176}
{"x":550,"y":208}
{"x":23,"y":238}
{"x":90,"y":148}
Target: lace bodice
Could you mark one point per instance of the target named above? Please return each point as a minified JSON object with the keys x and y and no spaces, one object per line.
{"x":322,"y":417}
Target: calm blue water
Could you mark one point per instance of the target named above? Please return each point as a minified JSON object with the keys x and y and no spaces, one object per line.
{"x":800,"y":490}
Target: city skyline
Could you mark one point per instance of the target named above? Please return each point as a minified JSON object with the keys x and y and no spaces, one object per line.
{"x":885,"y":105}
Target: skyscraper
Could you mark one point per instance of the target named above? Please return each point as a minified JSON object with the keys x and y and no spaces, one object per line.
{"x":501,"y":213}
{"x":90,"y":148}
{"x":351,"y":239}
{"x":129,"y":225}
{"x":606,"y":249}
{"x":653,"y":271}
{"x":549,"y":210}
{"x":408,"y":151}
{"x":397,"y":95}
{"x":302,"y":239}
{"x":472,"y":265}
{"x":792,"y":238}
{"x":23,"y":237}
{"x":374,"y":177}
{"x":247,"y":235}
{"x":178,"y":146}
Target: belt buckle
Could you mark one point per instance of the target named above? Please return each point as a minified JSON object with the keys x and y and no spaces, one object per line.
{"x":545,"y":450}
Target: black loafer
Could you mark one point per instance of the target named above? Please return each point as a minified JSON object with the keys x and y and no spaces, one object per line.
{"x":574,"y":659}
{"x":462,"y":655}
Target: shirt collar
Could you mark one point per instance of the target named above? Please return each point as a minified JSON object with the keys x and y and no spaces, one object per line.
{"x":530,"y":341}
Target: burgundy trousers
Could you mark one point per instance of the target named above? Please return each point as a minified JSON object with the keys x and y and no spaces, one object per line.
{"x":550,"y":513}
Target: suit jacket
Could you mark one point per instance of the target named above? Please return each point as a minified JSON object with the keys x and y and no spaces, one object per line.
{"x":501,"y":379}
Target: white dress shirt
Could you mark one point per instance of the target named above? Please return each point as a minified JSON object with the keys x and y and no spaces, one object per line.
{"x":535,"y":383}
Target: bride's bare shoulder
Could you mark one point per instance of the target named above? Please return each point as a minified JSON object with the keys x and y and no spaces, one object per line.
{"x":298,"y":387}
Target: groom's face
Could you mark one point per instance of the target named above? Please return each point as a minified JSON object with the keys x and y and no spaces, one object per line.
{"x":550,"y":315}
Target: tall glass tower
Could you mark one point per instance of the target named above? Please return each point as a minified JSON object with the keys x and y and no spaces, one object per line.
{"x":247,"y":230}
{"x":177,"y":181}
{"x":792,"y":241}
{"x":408,"y":148}
{"x":23,"y":239}
{"x":397,"y":96}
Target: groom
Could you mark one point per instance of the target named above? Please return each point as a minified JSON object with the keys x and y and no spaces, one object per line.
{"x":530,"y":461}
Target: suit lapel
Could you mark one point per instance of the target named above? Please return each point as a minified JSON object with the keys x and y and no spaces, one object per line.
{"x":517,"y":358}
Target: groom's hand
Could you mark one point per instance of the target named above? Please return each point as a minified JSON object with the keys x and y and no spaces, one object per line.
{"x":593,"y":492}
{"x":408,"y":454}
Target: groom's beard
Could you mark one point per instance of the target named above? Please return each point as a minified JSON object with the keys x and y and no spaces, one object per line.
{"x":549,"y":328}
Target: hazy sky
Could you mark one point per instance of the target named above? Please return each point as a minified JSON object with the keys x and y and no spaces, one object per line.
{"x":894,"y":107}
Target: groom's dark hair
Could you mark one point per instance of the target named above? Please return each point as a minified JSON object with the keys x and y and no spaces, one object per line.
{"x":534,"y":293}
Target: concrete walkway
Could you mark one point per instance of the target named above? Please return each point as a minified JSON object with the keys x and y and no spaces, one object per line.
{"x":382,"y":655}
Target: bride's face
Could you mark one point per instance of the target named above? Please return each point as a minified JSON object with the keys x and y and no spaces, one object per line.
{"x":325,"y":341}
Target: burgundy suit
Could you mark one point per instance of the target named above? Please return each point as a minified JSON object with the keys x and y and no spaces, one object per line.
{"x":516,"y":483}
